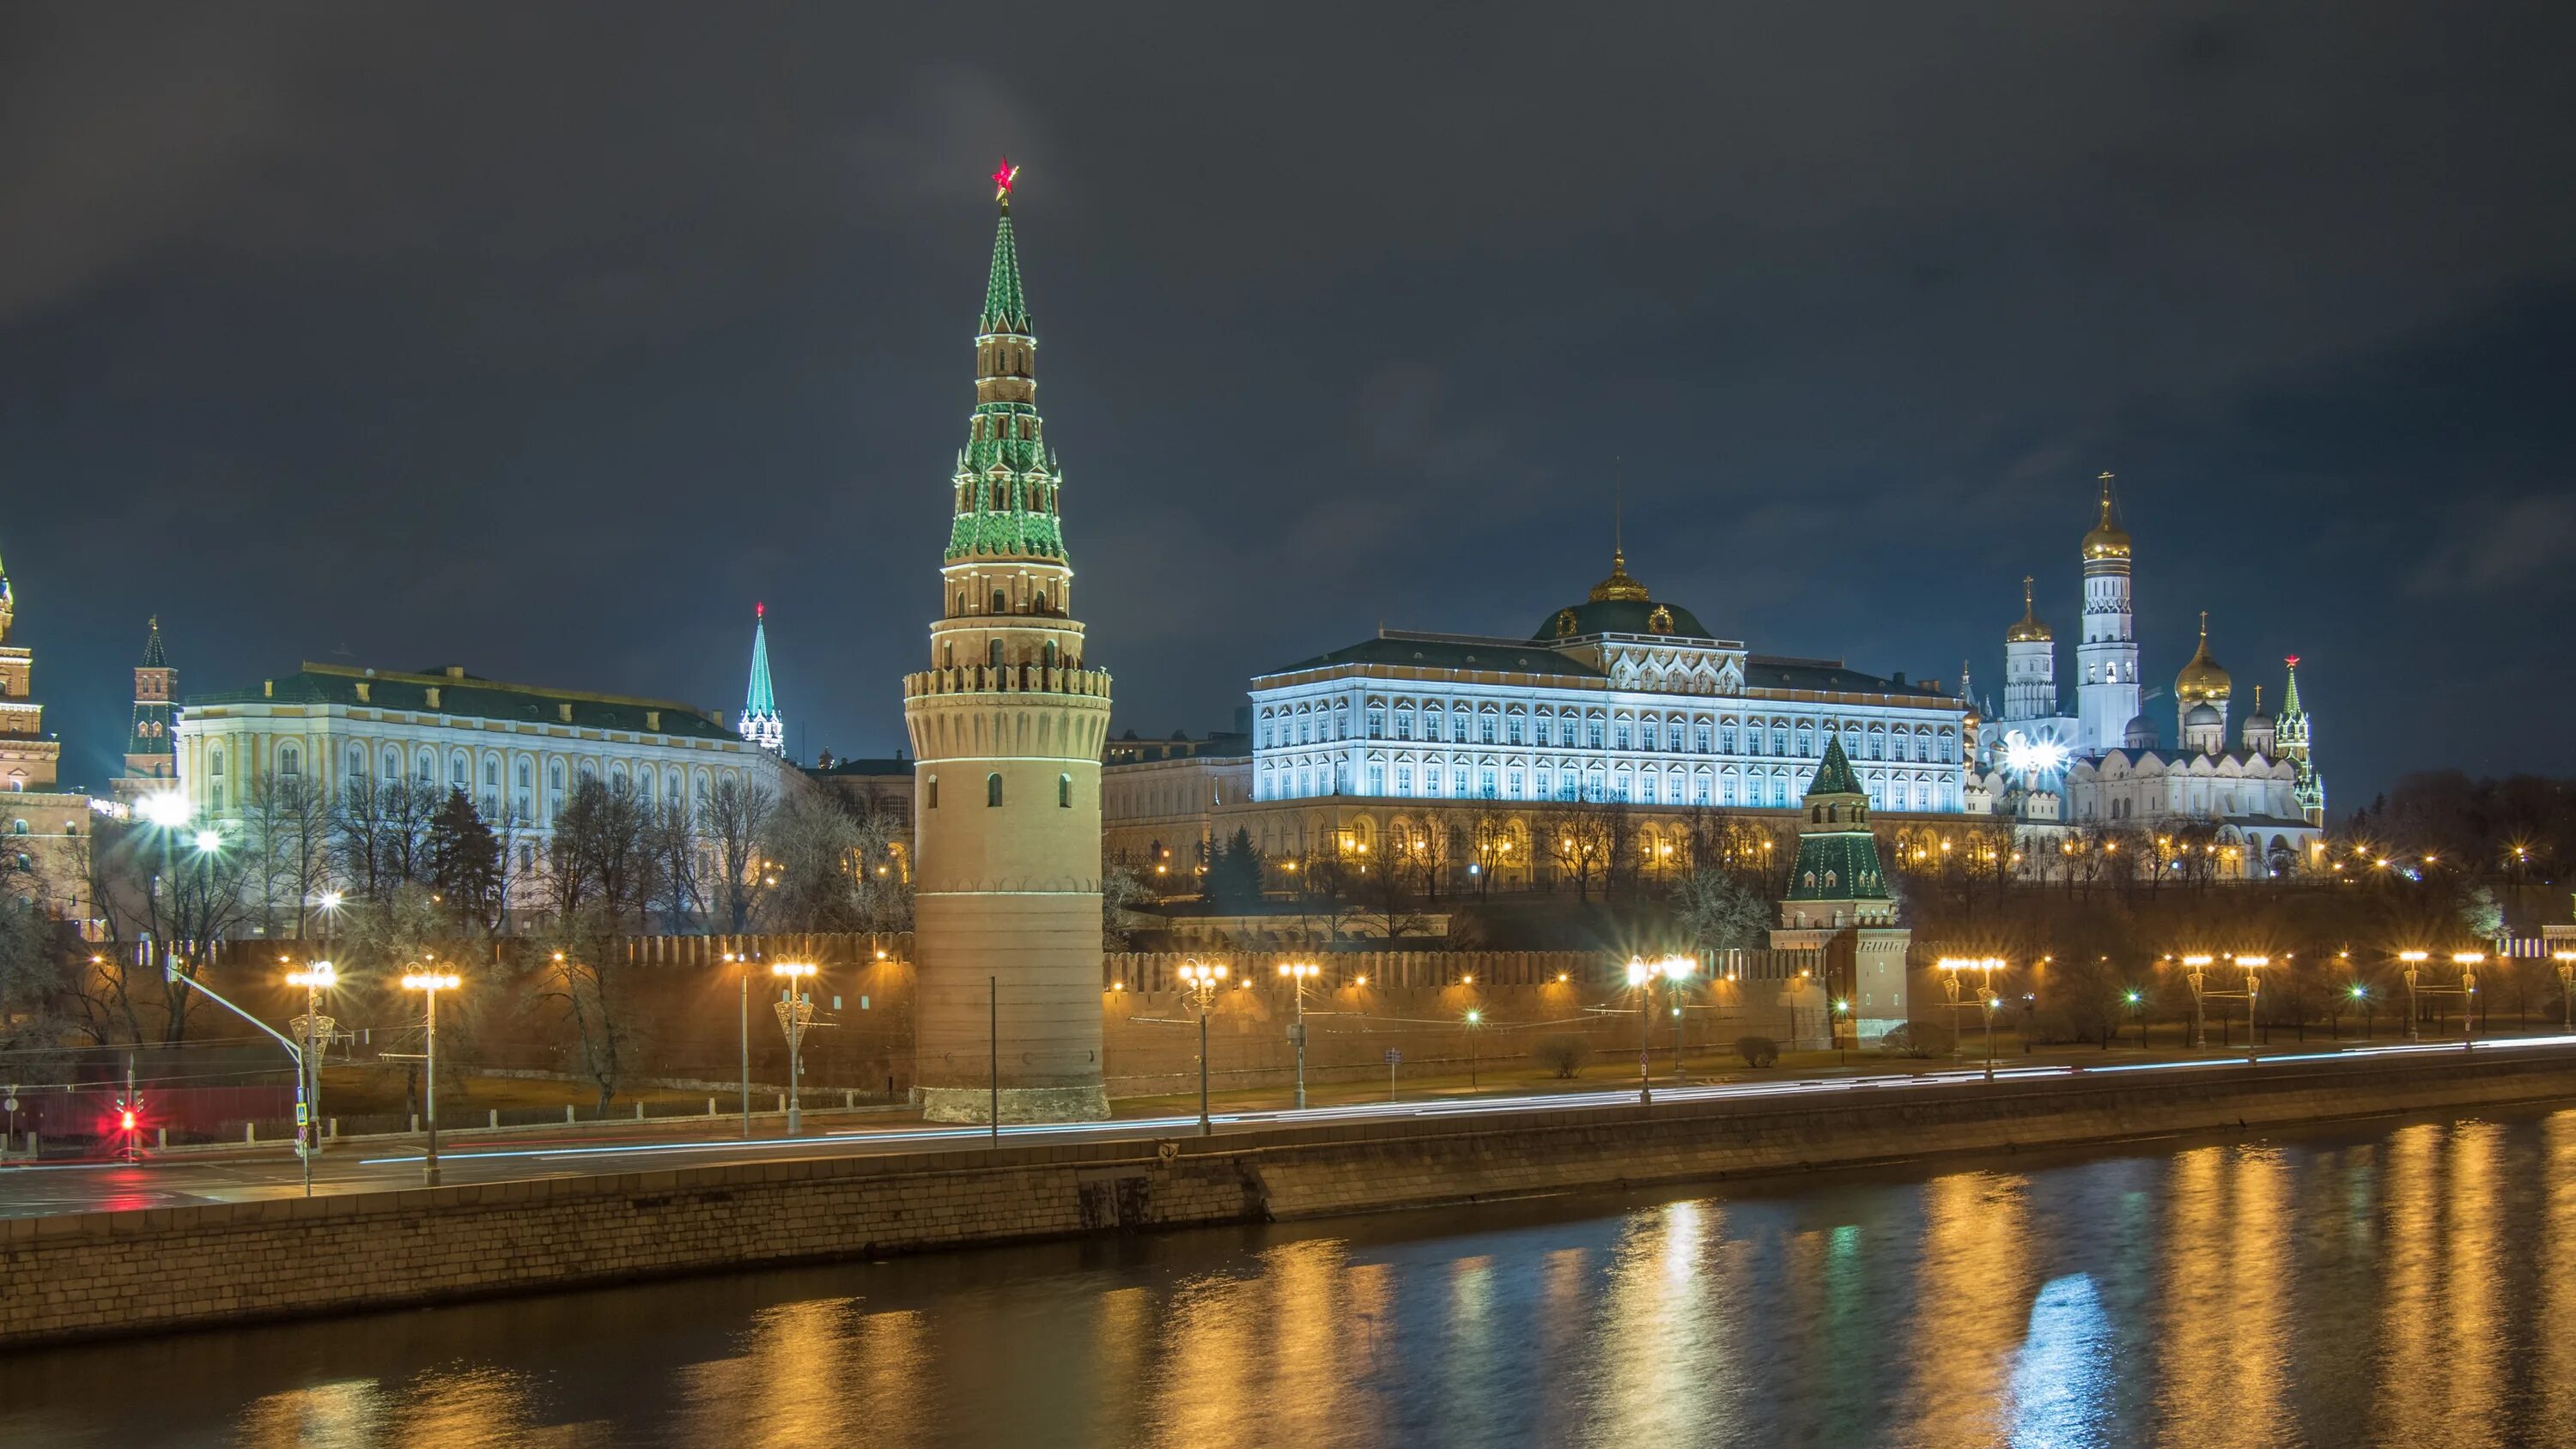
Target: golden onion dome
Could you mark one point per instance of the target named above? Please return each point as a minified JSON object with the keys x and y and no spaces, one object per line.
{"x":2203,"y":678}
{"x":2108,"y":539}
{"x":1619,"y":585}
{"x":2029,"y":630}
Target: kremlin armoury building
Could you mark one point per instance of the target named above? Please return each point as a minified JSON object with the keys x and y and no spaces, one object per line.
{"x":1018,"y":793}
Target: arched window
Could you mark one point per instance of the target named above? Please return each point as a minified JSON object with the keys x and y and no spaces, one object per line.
{"x":215,"y":761}
{"x":993,"y":789}
{"x":930,"y":792}
{"x":1063,"y":791}
{"x":459,"y":773}
{"x":290,"y":761}
{"x":357,"y":761}
{"x":1001,"y":602}
{"x":993,"y":653}
{"x":554,"y":776}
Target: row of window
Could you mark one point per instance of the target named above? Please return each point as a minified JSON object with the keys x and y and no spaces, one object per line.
{"x":652,"y":786}
{"x":1431,"y":781}
{"x":993,"y":791}
{"x":1598,"y":729}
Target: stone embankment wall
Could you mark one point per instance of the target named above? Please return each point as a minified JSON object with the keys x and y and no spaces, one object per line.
{"x":129,"y":1272}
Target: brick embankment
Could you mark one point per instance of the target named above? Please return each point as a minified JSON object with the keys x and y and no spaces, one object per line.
{"x":131,"y":1272}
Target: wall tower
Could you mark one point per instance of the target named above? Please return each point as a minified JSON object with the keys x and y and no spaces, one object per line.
{"x":2107,"y":697}
{"x":151,"y":759}
{"x":760,"y":723}
{"x":29,"y":759}
{"x":1007,"y":729}
{"x":2291,"y":729}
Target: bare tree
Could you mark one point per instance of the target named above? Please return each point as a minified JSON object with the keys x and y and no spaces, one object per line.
{"x":736,"y":826}
{"x":1719,"y":910}
{"x":287,"y":834}
{"x":814,"y":848}
{"x":602,"y":859}
{"x":680,"y":856}
{"x":380,"y":836}
{"x":1576,"y":835}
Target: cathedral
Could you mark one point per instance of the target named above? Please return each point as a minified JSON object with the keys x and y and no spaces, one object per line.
{"x":2255,"y":806}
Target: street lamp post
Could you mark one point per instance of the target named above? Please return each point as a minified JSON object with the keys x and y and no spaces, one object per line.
{"x":1951,"y":987}
{"x":2199,"y":980}
{"x":1475,"y":1019}
{"x":313,"y":1029}
{"x":2414,"y":963}
{"x":1641,"y":976}
{"x":2567,"y":988}
{"x":1298,"y":973}
{"x":795,"y":1013}
{"x":2253,"y":987}
{"x":2468,"y":962}
{"x":429,"y":984}
{"x":1201,"y":980}
{"x":744,"y":960}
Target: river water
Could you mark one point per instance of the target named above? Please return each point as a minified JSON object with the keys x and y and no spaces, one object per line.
{"x":2403,"y":1283}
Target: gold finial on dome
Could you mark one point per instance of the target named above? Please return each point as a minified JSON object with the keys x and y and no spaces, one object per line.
{"x":1618,"y":585}
{"x":2108,"y":539}
{"x":2029,"y":630}
{"x":2202,"y":681}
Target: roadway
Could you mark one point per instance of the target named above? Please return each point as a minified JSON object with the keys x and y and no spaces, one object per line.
{"x":176,"y":1180}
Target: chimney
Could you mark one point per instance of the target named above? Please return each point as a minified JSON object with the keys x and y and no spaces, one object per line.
{"x":433,"y":697}
{"x":563,"y":712}
{"x":653,"y":720}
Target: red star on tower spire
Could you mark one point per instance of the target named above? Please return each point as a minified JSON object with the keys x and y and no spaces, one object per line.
{"x":1004,"y":177}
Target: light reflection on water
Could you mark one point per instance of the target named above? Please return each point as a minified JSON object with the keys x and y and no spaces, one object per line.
{"x":2409,"y":1284}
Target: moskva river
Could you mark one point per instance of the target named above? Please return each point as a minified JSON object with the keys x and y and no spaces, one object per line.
{"x":2407,"y":1283}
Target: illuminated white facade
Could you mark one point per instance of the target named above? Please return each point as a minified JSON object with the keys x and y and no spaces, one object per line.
{"x":516,"y":751}
{"x":2261,"y":803}
{"x":1620,"y":698}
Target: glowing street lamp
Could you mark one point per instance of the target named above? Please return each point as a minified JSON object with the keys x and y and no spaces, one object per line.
{"x":2468,"y":962}
{"x":313,"y":1029}
{"x":1297,"y":974}
{"x":2253,"y":986}
{"x":1474,"y":1019}
{"x":1641,"y":978}
{"x":429,"y":983}
{"x":1951,"y":986}
{"x":1201,"y":981}
{"x":795,"y":1014}
{"x":2567,"y":986}
{"x":744,"y":960}
{"x":2414,"y":963}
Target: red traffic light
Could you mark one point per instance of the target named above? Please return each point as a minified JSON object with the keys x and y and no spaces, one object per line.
{"x":128,"y":1122}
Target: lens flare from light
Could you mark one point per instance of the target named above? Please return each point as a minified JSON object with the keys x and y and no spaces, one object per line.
{"x":2031,"y":759}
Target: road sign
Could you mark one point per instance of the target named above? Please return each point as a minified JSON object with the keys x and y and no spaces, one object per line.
{"x":303,"y":1114}
{"x":11,"y":1105}
{"x":1393,"y":1056}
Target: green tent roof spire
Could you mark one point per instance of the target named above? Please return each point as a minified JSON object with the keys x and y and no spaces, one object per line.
{"x":1006,"y":303}
{"x":1834,"y":776}
{"x":154,"y":656}
{"x":760,"y":722}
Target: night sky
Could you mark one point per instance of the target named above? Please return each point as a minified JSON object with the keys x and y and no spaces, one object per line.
{"x":546,"y":340}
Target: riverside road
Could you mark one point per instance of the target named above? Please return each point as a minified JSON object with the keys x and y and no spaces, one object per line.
{"x":250,"y":1175}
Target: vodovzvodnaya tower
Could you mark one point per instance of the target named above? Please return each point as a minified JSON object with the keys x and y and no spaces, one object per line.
{"x":1007,"y":727}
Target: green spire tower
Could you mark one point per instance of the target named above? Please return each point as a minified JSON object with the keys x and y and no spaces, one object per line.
{"x":2295,"y":742}
{"x":760,"y":723}
{"x":149,"y":753}
{"x":1007,"y":480}
{"x":1837,"y":873}
{"x":1007,"y":726}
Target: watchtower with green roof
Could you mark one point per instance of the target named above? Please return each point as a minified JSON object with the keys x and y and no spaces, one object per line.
{"x":1839,"y":906}
{"x":1007,"y":727}
{"x":150,"y":753}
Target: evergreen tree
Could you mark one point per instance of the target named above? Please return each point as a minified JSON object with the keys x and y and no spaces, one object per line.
{"x":1233,"y":883}
{"x":465,"y":862}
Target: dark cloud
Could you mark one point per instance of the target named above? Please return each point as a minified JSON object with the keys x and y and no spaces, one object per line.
{"x":545,"y":339}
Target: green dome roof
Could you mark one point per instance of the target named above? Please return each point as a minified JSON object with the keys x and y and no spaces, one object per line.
{"x":1620,"y":605}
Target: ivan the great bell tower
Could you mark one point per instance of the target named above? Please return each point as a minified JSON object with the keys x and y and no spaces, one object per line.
{"x":1007,"y":726}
